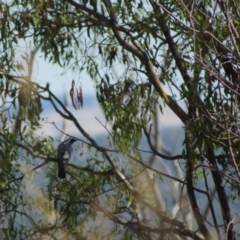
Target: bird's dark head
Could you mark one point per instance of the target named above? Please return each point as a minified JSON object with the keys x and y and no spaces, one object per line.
{"x":72,"y":140}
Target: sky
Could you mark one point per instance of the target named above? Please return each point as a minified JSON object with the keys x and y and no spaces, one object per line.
{"x":58,"y":77}
{"x":91,"y":116}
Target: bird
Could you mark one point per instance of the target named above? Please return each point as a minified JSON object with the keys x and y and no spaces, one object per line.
{"x":64,"y":154}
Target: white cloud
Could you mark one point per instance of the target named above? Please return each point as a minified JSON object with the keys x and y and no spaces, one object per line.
{"x":88,"y":118}
{"x":85,"y":116}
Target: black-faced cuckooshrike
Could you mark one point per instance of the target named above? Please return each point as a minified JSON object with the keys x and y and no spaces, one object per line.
{"x":64,"y":154}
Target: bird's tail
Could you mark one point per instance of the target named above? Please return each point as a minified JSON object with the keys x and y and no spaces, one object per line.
{"x":61,"y":168}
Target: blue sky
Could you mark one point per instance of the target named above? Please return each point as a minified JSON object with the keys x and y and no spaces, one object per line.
{"x":60,"y":80}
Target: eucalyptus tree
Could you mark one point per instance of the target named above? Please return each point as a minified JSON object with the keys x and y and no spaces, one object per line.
{"x":142,"y":56}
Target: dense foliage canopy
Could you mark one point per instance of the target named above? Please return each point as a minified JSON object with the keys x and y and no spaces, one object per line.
{"x":142,"y":56}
